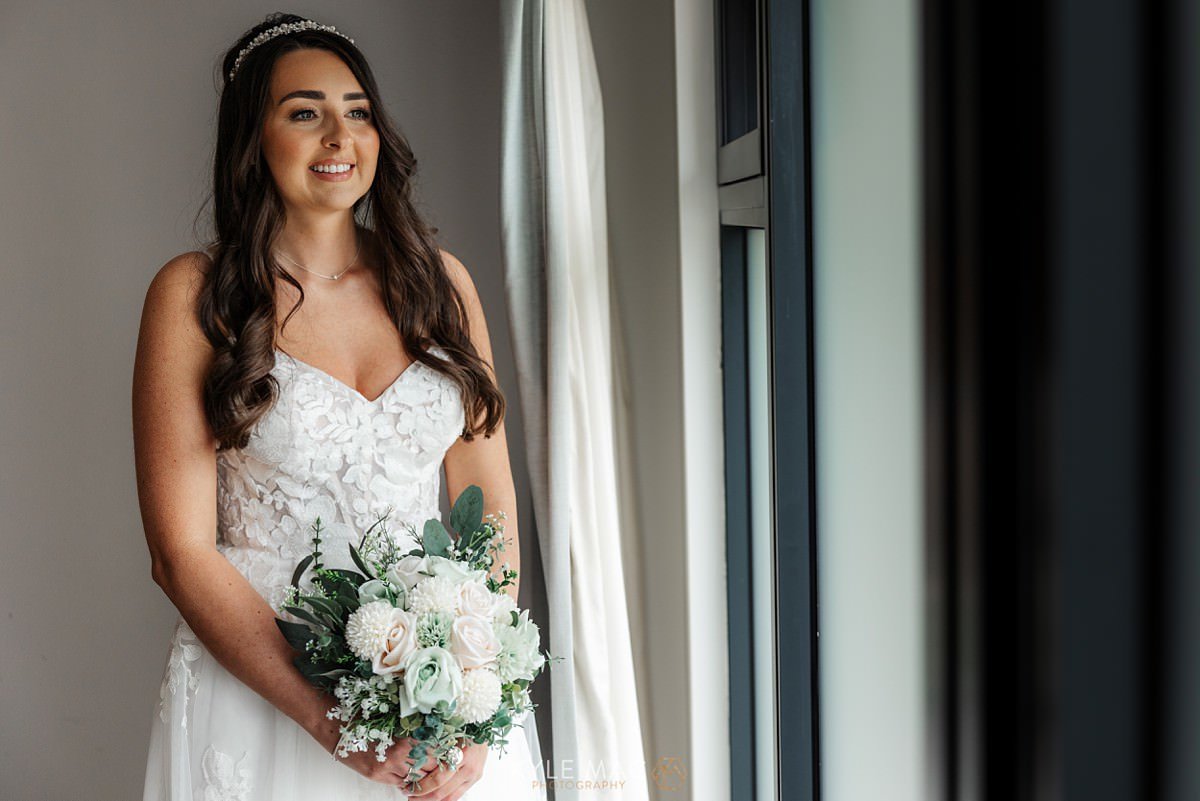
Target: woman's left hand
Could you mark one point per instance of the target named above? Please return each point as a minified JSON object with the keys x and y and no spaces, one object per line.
{"x":443,"y":784}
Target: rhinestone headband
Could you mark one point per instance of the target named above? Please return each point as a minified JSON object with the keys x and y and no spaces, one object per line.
{"x":280,"y":30}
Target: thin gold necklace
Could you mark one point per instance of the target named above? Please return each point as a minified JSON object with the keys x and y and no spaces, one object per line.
{"x":323,"y":275}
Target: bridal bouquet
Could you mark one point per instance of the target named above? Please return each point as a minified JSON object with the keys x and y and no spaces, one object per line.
{"x":424,"y":644}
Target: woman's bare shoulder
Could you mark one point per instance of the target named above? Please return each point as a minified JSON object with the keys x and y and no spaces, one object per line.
{"x":187,"y":268}
{"x":169,"y":317}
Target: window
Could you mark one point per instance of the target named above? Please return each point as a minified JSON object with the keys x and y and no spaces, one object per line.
{"x":766,"y":332}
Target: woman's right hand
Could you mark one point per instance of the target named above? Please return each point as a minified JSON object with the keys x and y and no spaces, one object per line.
{"x":394,"y":770}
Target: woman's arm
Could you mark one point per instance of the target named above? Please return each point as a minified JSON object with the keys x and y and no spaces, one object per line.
{"x":175,"y":456}
{"x":484,"y":461}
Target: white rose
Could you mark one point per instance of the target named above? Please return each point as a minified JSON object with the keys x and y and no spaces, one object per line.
{"x":408,"y":571}
{"x":400,"y":643}
{"x":457,"y":572}
{"x":474,"y":598}
{"x":473,"y":641}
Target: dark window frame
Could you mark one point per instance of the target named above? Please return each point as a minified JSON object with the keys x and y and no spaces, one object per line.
{"x":765,"y":182}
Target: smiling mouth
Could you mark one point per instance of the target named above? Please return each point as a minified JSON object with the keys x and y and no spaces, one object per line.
{"x":331,"y":169}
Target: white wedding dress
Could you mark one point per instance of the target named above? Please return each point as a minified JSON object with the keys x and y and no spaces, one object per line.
{"x":323,"y":450}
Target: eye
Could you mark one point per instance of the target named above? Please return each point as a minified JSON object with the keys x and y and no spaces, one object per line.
{"x":295,"y":115}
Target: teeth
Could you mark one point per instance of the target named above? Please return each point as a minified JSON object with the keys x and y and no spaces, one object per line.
{"x":332,"y":168}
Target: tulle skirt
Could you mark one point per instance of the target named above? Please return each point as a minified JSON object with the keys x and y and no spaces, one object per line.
{"x":215,"y":739}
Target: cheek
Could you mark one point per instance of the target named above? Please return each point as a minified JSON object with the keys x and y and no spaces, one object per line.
{"x":283,"y":150}
{"x":369,"y":144}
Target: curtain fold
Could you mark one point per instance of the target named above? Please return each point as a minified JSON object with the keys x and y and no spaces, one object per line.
{"x":555,"y":246}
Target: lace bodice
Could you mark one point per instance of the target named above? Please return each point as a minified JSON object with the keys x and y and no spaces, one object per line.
{"x":325,"y":450}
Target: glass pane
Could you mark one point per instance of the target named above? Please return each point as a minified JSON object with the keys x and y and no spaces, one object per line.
{"x":762,"y":530}
{"x":739,"y":68}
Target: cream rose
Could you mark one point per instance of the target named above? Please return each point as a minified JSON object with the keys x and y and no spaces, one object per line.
{"x":400,"y":643}
{"x":473,"y":641}
{"x":474,"y":598}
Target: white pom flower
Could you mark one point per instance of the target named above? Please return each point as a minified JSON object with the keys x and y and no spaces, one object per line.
{"x":503,"y":608}
{"x":367,"y":629}
{"x":480,"y":695}
{"x":436,"y":593}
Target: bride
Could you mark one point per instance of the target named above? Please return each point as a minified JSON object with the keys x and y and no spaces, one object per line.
{"x":304,"y":365}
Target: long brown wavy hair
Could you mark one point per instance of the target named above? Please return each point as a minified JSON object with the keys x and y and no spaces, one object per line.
{"x":236,"y":306}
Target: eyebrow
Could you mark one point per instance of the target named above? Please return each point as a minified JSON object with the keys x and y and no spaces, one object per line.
{"x":316,"y":94}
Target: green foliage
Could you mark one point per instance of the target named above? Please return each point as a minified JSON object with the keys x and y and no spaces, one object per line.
{"x":304,"y":614}
{"x":355,"y":580}
{"x":296,"y":634}
{"x":360,"y":563}
{"x":300,"y":568}
{"x":467,"y":512}
{"x":436,"y":541}
{"x":316,"y":544}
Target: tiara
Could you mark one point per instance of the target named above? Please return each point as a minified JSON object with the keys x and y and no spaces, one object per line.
{"x":280,"y":30}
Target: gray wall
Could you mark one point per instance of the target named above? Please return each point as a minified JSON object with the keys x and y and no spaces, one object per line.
{"x":107,"y":126}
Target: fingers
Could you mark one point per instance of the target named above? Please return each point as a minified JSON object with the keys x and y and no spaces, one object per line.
{"x":401,"y":753}
{"x":458,"y":793}
{"x":425,"y":779}
{"x":443,"y":785}
{"x":428,"y":784}
{"x":414,"y":780}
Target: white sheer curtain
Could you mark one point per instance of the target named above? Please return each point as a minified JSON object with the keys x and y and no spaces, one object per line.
{"x":557,"y":278}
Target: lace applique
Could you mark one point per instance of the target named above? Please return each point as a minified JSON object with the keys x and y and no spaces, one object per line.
{"x":326,"y":450}
{"x":223,"y":779}
{"x":185,"y":649}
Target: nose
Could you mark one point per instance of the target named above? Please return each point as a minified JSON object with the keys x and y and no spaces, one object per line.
{"x":339,"y":135}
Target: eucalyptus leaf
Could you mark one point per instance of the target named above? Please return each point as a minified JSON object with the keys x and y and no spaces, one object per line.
{"x":296,"y":634}
{"x":313,"y":670}
{"x":335,"y":674}
{"x":437,"y":542}
{"x":304,"y":563}
{"x":324,"y":605}
{"x":348,"y":598}
{"x":467,"y":514}
{"x":304,"y":614}
{"x":360,"y":562}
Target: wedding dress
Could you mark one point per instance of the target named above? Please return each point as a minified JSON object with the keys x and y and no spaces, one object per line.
{"x":325,"y":450}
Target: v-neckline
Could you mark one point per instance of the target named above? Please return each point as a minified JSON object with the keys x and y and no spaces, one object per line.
{"x":347,"y":387}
